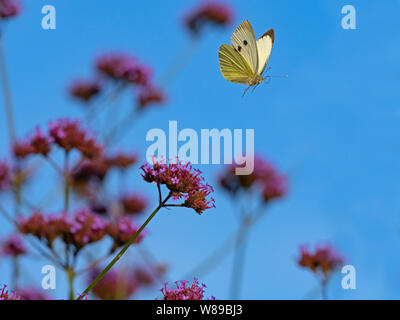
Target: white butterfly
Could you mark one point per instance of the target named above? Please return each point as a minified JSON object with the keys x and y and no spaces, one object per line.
{"x":245,"y":61}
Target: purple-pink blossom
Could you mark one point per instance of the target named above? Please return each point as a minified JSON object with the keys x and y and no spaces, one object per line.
{"x":184,"y":292}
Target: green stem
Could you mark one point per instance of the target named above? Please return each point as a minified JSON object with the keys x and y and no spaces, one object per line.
{"x":123,"y":250}
{"x":71,"y":277}
{"x":66,"y":185}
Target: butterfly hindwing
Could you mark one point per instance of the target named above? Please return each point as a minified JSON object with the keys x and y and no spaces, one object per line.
{"x":233,"y":66}
{"x":264,"y":47}
{"x":244,"y":41}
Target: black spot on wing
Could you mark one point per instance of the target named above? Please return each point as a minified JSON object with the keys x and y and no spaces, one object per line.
{"x":245,"y":42}
{"x":239,"y":48}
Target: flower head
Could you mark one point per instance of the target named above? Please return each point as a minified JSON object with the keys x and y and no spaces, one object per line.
{"x":118,"y":66}
{"x":13,"y":246}
{"x":150,"y":95}
{"x":40,"y":143}
{"x":213,"y":13}
{"x":5,"y":295}
{"x":115,"y":285}
{"x":265,"y":177}
{"x":184,"y":292}
{"x":324,"y":260}
{"x":122,"y":231}
{"x":85,"y":90}
{"x":10,"y":8}
{"x":5,"y":176}
{"x":122,"y":160}
{"x":31,"y":293}
{"x":21,"y":149}
{"x":133,"y":203}
{"x":183,"y":181}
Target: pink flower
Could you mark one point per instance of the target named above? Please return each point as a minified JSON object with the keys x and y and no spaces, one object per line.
{"x":115,"y":285}
{"x":5,"y":295}
{"x":22,"y":149}
{"x":184,"y":292}
{"x":10,"y":8}
{"x":183,"y":182}
{"x":122,"y":160}
{"x":212,"y":13}
{"x":265,"y":177}
{"x":31,"y":293}
{"x":40,"y":143}
{"x":324,"y":260}
{"x":13,"y":246}
{"x":133,"y":203}
{"x":118,"y":66}
{"x":5,"y":176}
{"x":85,"y":90}
{"x":149,"y":96}
{"x":122,"y":231}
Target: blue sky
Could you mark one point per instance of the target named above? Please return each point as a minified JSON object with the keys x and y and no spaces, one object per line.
{"x":331,"y":126}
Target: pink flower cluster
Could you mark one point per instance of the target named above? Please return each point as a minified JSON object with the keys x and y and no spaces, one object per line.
{"x":66,"y":133}
{"x":79,"y":230}
{"x":324,"y":260}
{"x":122,"y":230}
{"x":214,"y":13}
{"x":5,"y":176}
{"x":13,"y":246}
{"x":5,"y":295}
{"x":9,"y":8}
{"x":31,"y":293}
{"x":150,"y":95}
{"x":183,"y":181}
{"x":85,"y":90}
{"x":184,"y":292}
{"x":133,"y":203}
{"x":265,"y":177}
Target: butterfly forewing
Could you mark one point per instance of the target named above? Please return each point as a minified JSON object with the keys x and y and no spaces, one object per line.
{"x":233,"y":66}
{"x":264,"y":47}
{"x":244,"y":41}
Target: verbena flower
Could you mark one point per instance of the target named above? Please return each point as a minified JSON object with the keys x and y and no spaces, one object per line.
{"x":122,"y":160}
{"x":81,"y":229}
{"x":85,"y":90}
{"x":5,"y":176}
{"x":117,"y":284}
{"x":31,"y":293}
{"x":40,"y":143}
{"x":22,"y":149}
{"x":264,"y":178}
{"x":13,"y":246}
{"x":213,"y":13}
{"x":150,"y":95}
{"x":122,"y":230}
{"x":183,"y":181}
{"x":5,"y":295}
{"x":133,"y":203}
{"x":69,"y":134}
{"x":323,"y":261}
{"x":184,"y":292}
{"x":118,"y":66}
{"x":10,"y":8}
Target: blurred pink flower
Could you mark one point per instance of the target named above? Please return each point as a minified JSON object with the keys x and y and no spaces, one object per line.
{"x":5,"y":176}
{"x":85,"y":90}
{"x":122,"y":231}
{"x":324,"y":260}
{"x":31,"y":293}
{"x":40,"y":143}
{"x":184,"y":292}
{"x":10,"y":8}
{"x":149,"y":96}
{"x":21,"y":149}
{"x":13,"y":246}
{"x":133,"y":203}
{"x":122,"y":160}
{"x":5,"y":295}
{"x":118,"y":66}
{"x":213,"y":13}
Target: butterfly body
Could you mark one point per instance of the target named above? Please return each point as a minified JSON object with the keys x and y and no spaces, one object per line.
{"x":245,"y":60}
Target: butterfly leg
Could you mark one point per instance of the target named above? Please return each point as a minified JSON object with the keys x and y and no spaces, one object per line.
{"x":245,"y":90}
